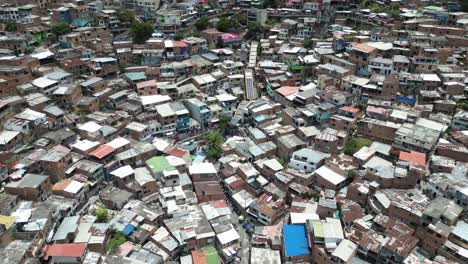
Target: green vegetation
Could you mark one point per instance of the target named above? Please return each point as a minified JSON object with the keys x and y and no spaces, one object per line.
{"x":375,"y":8}
{"x":272,"y":21}
{"x":60,"y":29}
{"x":226,"y":24}
{"x":356,"y":144}
{"x":117,"y":239}
{"x":141,"y":31}
{"x":102,"y":105}
{"x":313,"y":194}
{"x":363,"y":4}
{"x":240,"y":18}
{"x":283,"y":162}
{"x":308,"y":43}
{"x":101,"y":214}
{"x":394,"y":9}
{"x":214,"y":141}
{"x":126,"y":16}
{"x":271,"y":3}
{"x":362,"y":106}
{"x":179,"y":36}
{"x":223,"y":24}
{"x":10,"y":26}
{"x":195,"y":33}
{"x":353,"y":174}
{"x":464,"y":5}
{"x":234,"y":23}
{"x":255,"y":30}
{"x":202,"y":23}
{"x":29,"y":50}
{"x":224,"y":122}
{"x":463,"y":104}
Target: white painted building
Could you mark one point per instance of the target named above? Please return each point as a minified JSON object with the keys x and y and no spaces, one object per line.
{"x":307,"y":159}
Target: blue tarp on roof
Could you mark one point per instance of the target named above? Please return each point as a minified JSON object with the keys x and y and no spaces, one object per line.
{"x":128,"y":229}
{"x":295,"y":240}
{"x":406,"y":99}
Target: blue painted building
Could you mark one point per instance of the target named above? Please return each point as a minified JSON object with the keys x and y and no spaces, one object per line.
{"x":183,"y":116}
{"x":199,"y":111}
{"x":324,"y":111}
{"x":64,"y":15}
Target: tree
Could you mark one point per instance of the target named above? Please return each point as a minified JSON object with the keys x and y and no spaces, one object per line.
{"x":60,"y":29}
{"x":254,"y":30}
{"x":361,"y":105}
{"x":308,"y":43}
{"x":313,"y":194}
{"x":52,"y":37}
{"x":356,"y":144}
{"x":233,"y":23}
{"x":394,"y":9}
{"x":179,"y":36}
{"x":102,"y":105}
{"x":464,"y":5}
{"x":463,"y":104}
{"x":240,"y":18}
{"x":196,"y":34}
{"x":214,"y":141}
{"x":141,"y":31}
{"x":117,"y":239}
{"x":29,"y":50}
{"x":10,"y":26}
{"x":362,"y":4}
{"x":202,"y":23}
{"x":224,"y":24}
{"x":272,"y":21}
{"x":101,"y":214}
{"x":271,"y":3}
{"x":126,"y":16}
{"x":224,"y":122}
{"x":213,"y":153}
{"x":375,"y":8}
{"x":395,"y":6}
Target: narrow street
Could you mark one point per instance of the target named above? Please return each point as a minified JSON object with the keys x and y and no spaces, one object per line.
{"x":244,"y":237}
